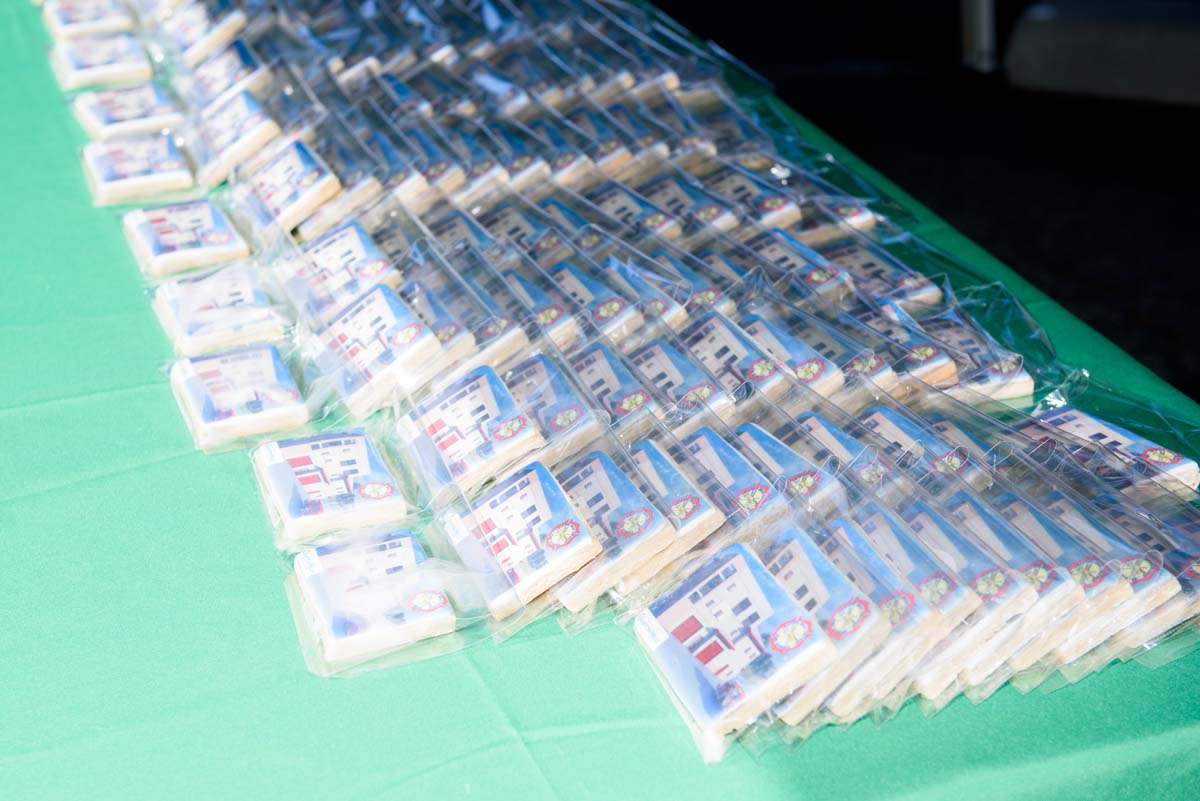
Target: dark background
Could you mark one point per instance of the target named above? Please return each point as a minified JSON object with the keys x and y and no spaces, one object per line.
{"x":1090,"y":198}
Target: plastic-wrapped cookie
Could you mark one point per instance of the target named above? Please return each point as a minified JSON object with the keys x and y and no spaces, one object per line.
{"x":100,"y":61}
{"x":367,"y":595}
{"x":375,"y":345}
{"x":326,"y":482}
{"x":220,"y":310}
{"x":1131,"y":446}
{"x":477,"y":429}
{"x":183,"y":236}
{"x":67,"y":19}
{"x":335,"y":270}
{"x":728,"y":641}
{"x":198,"y":30}
{"x":693,"y":515}
{"x":231,"y":70}
{"x":231,"y":132}
{"x":129,"y":111}
{"x":525,"y":534}
{"x":123,"y":170}
{"x":292,"y":184}
{"x":237,"y":394}
{"x":628,"y":524}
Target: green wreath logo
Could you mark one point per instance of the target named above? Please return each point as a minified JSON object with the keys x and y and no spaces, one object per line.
{"x":565,"y":418}
{"x":1160,"y":455}
{"x":924,"y":353}
{"x":867,"y":364}
{"x":633,"y":401}
{"x":609,"y":309}
{"x":697,"y":395}
{"x":507,"y":429}
{"x":1137,"y":568}
{"x":1039,"y":574}
{"x":810,"y":369}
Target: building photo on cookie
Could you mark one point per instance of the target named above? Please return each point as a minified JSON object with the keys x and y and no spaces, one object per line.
{"x":600,"y":399}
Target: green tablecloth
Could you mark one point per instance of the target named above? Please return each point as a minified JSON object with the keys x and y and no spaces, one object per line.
{"x":147,"y":650}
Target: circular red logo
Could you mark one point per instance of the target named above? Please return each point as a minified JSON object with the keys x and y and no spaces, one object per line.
{"x":790,"y":635}
{"x":848,"y":618}
{"x":562,"y":535}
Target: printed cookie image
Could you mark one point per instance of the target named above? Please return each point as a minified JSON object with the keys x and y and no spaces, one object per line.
{"x":729,"y":641}
{"x":134,"y":168}
{"x":612,"y":382}
{"x":730,"y":354}
{"x":217,"y":311}
{"x":326,"y":482}
{"x":200,"y":29}
{"x":808,"y":365}
{"x":106,"y":61}
{"x":914,"y":629}
{"x":237,"y":394}
{"x":732,"y":481}
{"x":525,"y":534}
{"x":619,"y":515}
{"x":803,"y":481}
{"x":692,"y":515}
{"x":368,"y":595}
{"x":374,"y":346}
{"x":70,"y":19}
{"x":674,"y":375}
{"x":335,"y":270}
{"x":854,"y":624}
{"x":564,"y":415}
{"x":183,"y":236}
{"x":231,"y":133}
{"x":292,"y":184}
{"x":477,"y":428}
{"x":132,"y":111}
{"x":1131,"y":446}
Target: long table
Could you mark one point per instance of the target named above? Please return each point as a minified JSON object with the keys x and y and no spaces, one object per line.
{"x":147,"y":650}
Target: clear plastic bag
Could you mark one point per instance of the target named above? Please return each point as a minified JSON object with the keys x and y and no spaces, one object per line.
{"x":237,"y":397}
{"x":316,"y":485}
{"x":378,"y":598}
{"x":114,"y":60}
{"x":67,"y":20}
{"x":137,"y":110}
{"x":137,"y":169}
